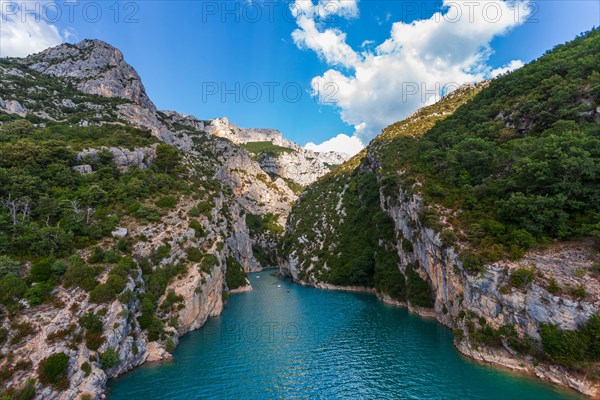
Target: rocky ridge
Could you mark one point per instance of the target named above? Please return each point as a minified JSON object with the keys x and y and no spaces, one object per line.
{"x":90,"y":84}
{"x":461,"y":300}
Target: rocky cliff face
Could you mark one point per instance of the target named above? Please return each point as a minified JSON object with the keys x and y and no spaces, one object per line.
{"x":488,"y":295}
{"x":124,"y":158}
{"x":55,"y":329}
{"x":297,"y":164}
{"x":93,"y":78}
{"x":320,"y":230}
{"x":95,"y":67}
{"x":460,"y":299}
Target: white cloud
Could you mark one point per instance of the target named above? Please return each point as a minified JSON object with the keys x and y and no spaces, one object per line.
{"x":511,"y":66}
{"x":24,"y":33}
{"x":329,"y":44}
{"x":341,"y":143}
{"x":418,"y":63}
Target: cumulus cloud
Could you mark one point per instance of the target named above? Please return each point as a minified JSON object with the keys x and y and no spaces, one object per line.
{"x":24,"y":31}
{"x":350,"y":145}
{"x":511,"y":66}
{"x":415,"y":66}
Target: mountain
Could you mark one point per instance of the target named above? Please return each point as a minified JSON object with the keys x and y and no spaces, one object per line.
{"x":123,"y":227}
{"x":481,"y":211}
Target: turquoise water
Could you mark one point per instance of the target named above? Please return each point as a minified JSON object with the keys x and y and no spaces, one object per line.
{"x":289,"y":341}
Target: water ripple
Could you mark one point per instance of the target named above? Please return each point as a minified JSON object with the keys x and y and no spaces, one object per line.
{"x":295,"y":342}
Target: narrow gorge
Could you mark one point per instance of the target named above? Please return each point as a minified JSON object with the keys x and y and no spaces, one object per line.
{"x":124,"y":227}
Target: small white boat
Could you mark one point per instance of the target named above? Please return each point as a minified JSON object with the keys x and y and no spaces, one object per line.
{"x":278,"y":285}
{"x":257,"y":276}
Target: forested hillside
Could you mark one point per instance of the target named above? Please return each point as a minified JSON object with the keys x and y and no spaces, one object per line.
{"x":482,"y":210}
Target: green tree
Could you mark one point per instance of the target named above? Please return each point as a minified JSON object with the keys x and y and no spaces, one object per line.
{"x":167,"y":157}
{"x":54,"y":370}
{"x":9,"y":266}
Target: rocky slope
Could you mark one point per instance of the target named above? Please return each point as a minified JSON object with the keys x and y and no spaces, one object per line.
{"x":297,"y":164}
{"x":375,"y":224}
{"x":178,"y":263}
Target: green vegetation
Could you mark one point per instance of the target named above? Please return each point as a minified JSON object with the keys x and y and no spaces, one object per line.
{"x":502,"y":167}
{"x":419,"y":291}
{"x":194,"y":254}
{"x":54,"y":371}
{"x":93,"y":330}
{"x":358,"y":249}
{"x":572,"y":349}
{"x":109,"y":358}
{"x":77,"y":137}
{"x":519,"y":160}
{"x":25,"y":392}
{"x":265,"y":149}
{"x":169,"y":202}
{"x":47,"y":210}
{"x":260,"y":224}
{"x":234,"y":275}
{"x":157,"y":279}
{"x":209,"y":261}
{"x":521,"y":278}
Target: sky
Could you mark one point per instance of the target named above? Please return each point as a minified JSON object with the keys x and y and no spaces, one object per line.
{"x":330,"y":74}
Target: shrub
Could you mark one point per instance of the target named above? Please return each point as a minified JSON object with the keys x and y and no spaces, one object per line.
{"x":11,"y":289}
{"x":22,"y":330}
{"x":194,"y":254}
{"x":194,"y":212}
{"x":54,"y":369}
{"x":197,"y":227}
{"x":9,"y":266}
{"x":41,"y":270}
{"x":86,"y":368}
{"x":579,"y":292}
{"x":93,"y":334}
{"x":108,"y":291}
{"x":160,"y":253}
{"x":79,"y":274}
{"x":566,"y":348}
{"x":169,"y":345}
{"x":419,"y":291}
{"x":59,"y":268}
{"x":25,"y":392}
{"x":553,"y":286}
{"x":522,"y":238}
{"x":38,"y":293}
{"x":109,"y":358}
{"x":471,"y":263}
{"x":167,"y":157}
{"x":171,"y":299}
{"x":521,"y":278}
{"x":209,"y":261}
{"x":169,"y":202}
{"x":234,"y":275}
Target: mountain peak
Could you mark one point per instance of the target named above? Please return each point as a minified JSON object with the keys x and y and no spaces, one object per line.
{"x":98,"y":67}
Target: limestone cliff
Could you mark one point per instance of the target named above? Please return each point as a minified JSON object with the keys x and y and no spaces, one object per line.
{"x":200,"y":239}
{"x":96,"y":68}
{"x":410,"y":219}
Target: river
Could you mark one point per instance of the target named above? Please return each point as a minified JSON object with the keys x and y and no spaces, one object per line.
{"x":284,"y":340}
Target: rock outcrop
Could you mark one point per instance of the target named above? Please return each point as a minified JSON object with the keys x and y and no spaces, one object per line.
{"x":124,"y":158}
{"x":95,"y":67}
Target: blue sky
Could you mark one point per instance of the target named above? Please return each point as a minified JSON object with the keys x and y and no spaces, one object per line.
{"x":187,"y":50}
